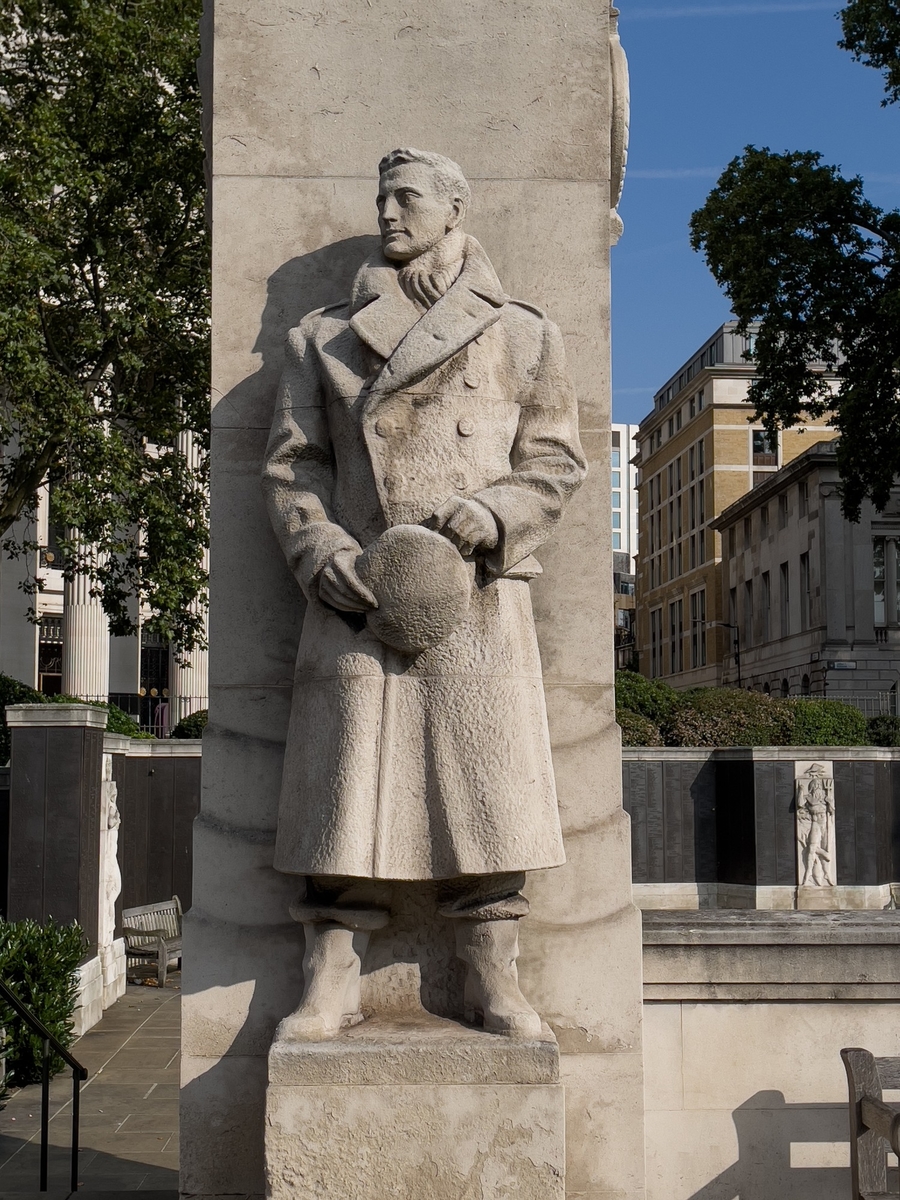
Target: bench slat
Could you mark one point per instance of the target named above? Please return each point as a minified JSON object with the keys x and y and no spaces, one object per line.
{"x":889,"y":1072}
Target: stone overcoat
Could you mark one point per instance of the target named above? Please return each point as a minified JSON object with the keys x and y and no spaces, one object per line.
{"x":434,"y":765}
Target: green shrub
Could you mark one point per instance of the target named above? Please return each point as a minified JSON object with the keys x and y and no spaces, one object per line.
{"x":650,"y":698}
{"x":637,"y":730}
{"x":39,"y":962}
{"x":884,"y":731}
{"x":191,"y":726}
{"x":729,"y":717}
{"x":827,"y":723}
{"x":117,"y":720}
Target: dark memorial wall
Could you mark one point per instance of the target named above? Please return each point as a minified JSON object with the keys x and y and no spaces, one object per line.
{"x":728,"y":817}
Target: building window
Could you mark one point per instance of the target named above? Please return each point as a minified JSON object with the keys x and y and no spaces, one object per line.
{"x":617,"y":520}
{"x":804,"y":686}
{"x":671,"y":479}
{"x":617,"y":458}
{"x":732,"y":608}
{"x":617,"y":479}
{"x":804,"y":592}
{"x":766,"y":605}
{"x":765,"y":451}
{"x":617,"y":499}
{"x":692,"y":462}
{"x":700,"y":396}
{"x":692,"y":409}
{"x":701,"y":502}
{"x":732,"y":541}
{"x":656,"y":643}
{"x":50,"y":650}
{"x":617,"y":541}
{"x":785,"y":573}
{"x":678,"y":473}
{"x":701,"y":547}
{"x":748,"y":532}
{"x":678,"y":419}
{"x":803,"y":497}
{"x":785,"y":689}
{"x":671,"y":426}
{"x":692,"y":506}
{"x":878,"y":551}
{"x":671,"y":562}
{"x":782,"y":511}
{"x":680,"y":558}
{"x":764,"y":521}
{"x":698,"y":628}
{"x":676,"y":637}
{"x":748,"y":613}
{"x":701,"y":456}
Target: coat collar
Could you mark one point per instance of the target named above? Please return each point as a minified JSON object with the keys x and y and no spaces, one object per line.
{"x":414,"y":343}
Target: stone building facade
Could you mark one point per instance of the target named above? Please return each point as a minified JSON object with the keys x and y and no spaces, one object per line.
{"x":814,"y":598}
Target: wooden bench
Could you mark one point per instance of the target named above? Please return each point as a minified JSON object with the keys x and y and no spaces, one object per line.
{"x":874,"y":1124}
{"x":153,"y":931}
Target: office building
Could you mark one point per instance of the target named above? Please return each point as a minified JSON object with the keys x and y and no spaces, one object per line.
{"x":699,"y":451}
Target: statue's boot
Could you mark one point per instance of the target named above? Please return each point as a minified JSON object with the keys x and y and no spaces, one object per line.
{"x":336,"y":943}
{"x":490,"y":949}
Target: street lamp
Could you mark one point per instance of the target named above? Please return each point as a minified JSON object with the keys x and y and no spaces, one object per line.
{"x":737,"y":641}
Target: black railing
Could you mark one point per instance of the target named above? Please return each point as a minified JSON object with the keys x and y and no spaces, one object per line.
{"x":79,"y":1074}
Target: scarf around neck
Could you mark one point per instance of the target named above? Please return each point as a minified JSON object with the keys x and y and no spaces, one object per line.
{"x":431,"y":275}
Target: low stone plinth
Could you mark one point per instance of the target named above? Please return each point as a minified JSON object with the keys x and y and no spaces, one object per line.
{"x":415,"y":1106}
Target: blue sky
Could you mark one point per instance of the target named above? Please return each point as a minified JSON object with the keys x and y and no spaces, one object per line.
{"x":706,"y":80}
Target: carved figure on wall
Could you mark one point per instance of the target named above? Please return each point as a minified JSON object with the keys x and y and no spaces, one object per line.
{"x":425,"y":443}
{"x":815,"y":828}
{"x":112,"y":876}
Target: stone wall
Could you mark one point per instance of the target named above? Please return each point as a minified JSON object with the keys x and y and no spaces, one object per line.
{"x":745,"y":1015}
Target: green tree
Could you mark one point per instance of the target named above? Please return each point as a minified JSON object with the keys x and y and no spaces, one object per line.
{"x":800,"y":250}
{"x":104,"y":284}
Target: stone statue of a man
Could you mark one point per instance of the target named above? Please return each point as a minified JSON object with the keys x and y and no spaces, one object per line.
{"x":427,"y":404}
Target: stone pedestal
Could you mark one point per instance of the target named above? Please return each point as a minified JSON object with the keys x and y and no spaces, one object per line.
{"x":415,"y":1106}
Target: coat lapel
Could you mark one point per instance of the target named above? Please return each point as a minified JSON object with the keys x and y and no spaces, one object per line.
{"x":471,"y":305}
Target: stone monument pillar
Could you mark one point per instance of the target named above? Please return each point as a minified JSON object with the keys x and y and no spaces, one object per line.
{"x":304,"y":106}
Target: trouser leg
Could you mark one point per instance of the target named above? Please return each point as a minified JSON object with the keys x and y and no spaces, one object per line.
{"x":338,"y":917}
{"x":486,"y":910}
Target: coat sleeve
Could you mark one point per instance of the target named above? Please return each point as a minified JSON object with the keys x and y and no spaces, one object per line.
{"x":298,"y":473}
{"x":547,"y":461}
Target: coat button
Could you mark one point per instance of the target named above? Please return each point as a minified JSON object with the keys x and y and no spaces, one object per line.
{"x":382,"y":428}
{"x":459,"y":481}
{"x":466,"y":426}
{"x":470,"y":380}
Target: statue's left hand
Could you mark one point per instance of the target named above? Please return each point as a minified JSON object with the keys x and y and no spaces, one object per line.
{"x":469,"y":525}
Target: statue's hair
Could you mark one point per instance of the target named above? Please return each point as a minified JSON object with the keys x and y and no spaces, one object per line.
{"x":449,"y":174}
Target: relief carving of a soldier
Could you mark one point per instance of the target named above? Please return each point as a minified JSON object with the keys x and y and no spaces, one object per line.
{"x":425,"y":443}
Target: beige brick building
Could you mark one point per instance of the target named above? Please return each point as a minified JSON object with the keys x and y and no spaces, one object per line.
{"x":699,"y":451}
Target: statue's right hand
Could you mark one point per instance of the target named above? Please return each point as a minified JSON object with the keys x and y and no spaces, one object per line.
{"x":340,"y":586}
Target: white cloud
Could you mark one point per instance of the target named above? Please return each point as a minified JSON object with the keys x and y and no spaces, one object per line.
{"x":723,"y":10}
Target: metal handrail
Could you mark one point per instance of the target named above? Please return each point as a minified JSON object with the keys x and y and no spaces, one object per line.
{"x":79,"y":1074}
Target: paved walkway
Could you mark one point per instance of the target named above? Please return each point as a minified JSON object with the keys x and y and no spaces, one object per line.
{"x":129,"y":1108}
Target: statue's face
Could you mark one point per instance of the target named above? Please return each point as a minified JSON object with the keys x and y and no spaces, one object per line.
{"x":414,"y":213}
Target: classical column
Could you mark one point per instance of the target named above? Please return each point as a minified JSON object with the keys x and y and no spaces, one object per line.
{"x":890,"y":582}
{"x":85,"y":659}
{"x":189,"y":672}
{"x":188,"y":683}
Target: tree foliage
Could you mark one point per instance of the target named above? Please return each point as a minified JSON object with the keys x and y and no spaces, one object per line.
{"x":798,"y":249}
{"x":104,"y":296}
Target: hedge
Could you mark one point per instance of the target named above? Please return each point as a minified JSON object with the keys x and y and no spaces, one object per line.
{"x":653,"y":713}
{"x":191,"y":726}
{"x":39,"y":962}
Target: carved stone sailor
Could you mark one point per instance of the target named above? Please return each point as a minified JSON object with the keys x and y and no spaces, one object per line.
{"x":425,"y":443}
